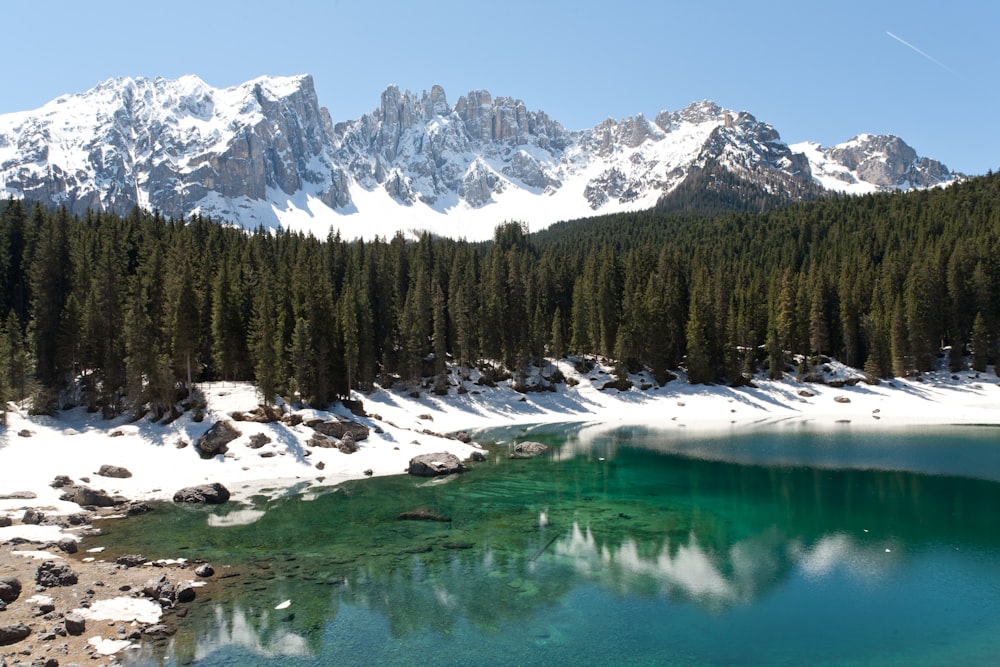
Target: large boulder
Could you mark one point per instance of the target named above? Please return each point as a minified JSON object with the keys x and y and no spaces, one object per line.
{"x":160,"y":589}
{"x":75,"y":624}
{"x":51,"y":573}
{"x":347,"y":445}
{"x":60,"y":481}
{"x":258,"y":440}
{"x":10,"y":588}
{"x":10,"y":634}
{"x":19,"y":495}
{"x":131,"y":560}
{"x":216,"y":439}
{"x":88,"y":497}
{"x":32,"y":517}
{"x":527,"y":450}
{"x":341,"y":429}
{"x":432,"y":465}
{"x":321,"y":441}
{"x":184,"y":592}
{"x":209,"y":494}
{"x":114,"y":471}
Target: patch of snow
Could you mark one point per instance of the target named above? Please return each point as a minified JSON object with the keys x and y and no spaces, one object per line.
{"x":33,"y":533}
{"x":108,"y":646}
{"x":38,"y":555}
{"x":141,"y":610}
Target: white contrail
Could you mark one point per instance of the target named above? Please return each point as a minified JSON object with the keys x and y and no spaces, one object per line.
{"x":925,"y":55}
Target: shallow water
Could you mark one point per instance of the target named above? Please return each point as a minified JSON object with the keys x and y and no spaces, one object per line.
{"x":623,"y":546}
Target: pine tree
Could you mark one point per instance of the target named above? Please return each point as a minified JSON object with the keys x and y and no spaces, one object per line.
{"x":50,"y":287}
{"x":558,"y":345}
{"x":185,"y":329}
{"x":16,"y":240}
{"x":19,"y":362}
{"x":440,"y":329}
{"x":775,"y":355}
{"x":819,"y":331}
{"x":303,"y":361}
{"x":581,"y":318}
{"x":923,"y":309}
{"x":265,"y":345}
{"x":145,"y":330}
{"x":5,"y":384}
{"x":980,"y":343}
{"x":787,"y":321}
{"x":229,"y":350}
{"x":701,"y":361}
{"x":349,"y":328}
{"x":902,"y":364}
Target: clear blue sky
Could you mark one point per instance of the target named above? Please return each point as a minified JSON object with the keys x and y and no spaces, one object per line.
{"x":822,"y":71}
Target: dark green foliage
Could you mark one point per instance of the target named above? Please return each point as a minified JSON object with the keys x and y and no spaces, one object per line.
{"x":715,"y":190}
{"x":140,"y":306}
{"x":980,"y":343}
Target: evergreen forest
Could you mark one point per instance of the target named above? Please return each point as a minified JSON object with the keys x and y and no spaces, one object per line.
{"x":122,"y":313}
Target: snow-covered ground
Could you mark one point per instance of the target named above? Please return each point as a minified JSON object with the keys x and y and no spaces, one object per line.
{"x":77,"y":444}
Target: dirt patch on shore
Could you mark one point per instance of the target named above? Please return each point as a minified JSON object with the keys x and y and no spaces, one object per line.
{"x":83,"y":610}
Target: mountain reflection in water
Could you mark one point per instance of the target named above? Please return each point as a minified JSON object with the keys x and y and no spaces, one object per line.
{"x":679,"y":556}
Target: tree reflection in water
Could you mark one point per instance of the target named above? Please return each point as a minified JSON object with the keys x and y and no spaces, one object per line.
{"x":536,"y":550}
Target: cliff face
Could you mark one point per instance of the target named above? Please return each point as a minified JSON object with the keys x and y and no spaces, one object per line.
{"x":172,"y":145}
{"x":266,"y":153}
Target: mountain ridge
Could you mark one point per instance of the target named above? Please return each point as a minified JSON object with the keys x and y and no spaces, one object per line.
{"x":266,"y":153}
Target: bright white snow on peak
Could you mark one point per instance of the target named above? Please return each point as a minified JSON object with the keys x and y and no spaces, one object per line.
{"x":872,"y":163}
{"x":265,"y":153}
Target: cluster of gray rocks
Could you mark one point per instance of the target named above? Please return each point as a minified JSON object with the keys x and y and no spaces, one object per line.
{"x":54,"y":623}
{"x":51,"y":622}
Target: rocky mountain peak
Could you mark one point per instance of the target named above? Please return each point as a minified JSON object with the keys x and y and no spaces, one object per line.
{"x":881,"y":161}
{"x":436,"y":103}
{"x":697,"y":113}
{"x":265,"y":152}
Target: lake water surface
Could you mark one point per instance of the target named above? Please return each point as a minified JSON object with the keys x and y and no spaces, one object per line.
{"x":620,"y":546}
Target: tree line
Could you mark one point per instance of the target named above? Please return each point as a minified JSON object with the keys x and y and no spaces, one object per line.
{"x":120,"y":312}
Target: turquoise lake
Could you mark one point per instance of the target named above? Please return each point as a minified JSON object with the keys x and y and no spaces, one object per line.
{"x":621,"y":545}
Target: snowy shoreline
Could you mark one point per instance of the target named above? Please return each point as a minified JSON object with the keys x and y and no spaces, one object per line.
{"x":402,"y":423}
{"x":77,"y":444}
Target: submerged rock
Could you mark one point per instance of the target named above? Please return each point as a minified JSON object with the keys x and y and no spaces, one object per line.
{"x":528,"y":449}
{"x":422,"y":514}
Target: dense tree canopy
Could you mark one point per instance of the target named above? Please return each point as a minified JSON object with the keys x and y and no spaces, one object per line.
{"x":134,"y":309}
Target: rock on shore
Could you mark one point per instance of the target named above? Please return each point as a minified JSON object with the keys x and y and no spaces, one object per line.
{"x":432,"y":465}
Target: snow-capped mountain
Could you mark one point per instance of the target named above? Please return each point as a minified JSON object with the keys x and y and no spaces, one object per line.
{"x":266,"y":153}
{"x":869,"y":163}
